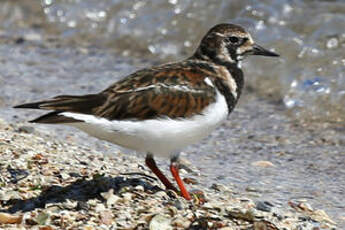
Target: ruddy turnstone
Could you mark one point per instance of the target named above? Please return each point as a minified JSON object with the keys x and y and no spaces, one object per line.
{"x":160,"y":110}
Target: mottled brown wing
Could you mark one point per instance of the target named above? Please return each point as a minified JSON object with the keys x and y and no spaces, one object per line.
{"x":164,"y":91}
{"x":152,"y":94}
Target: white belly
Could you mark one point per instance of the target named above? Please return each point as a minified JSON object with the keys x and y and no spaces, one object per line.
{"x":160,"y":137}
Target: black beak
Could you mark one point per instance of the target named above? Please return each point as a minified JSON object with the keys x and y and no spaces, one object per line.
{"x":258,"y":50}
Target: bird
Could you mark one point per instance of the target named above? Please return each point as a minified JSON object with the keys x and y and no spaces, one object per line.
{"x":160,"y":110}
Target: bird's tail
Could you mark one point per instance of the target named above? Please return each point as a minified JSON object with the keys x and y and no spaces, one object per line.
{"x":85,"y":104}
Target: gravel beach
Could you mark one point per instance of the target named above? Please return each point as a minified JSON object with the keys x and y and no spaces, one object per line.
{"x":47,"y":183}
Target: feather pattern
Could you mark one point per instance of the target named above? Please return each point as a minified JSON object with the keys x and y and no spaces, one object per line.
{"x":181,"y":92}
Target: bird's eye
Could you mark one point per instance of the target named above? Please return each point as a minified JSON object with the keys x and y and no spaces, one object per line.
{"x":233,"y":39}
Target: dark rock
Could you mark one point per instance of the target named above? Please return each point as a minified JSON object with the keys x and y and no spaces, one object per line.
{"x":82,"y":205}
{"x":264,"y":206}
{"x":26,"y":129}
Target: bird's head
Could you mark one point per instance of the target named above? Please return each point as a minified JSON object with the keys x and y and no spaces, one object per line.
{"x":229,"y":43}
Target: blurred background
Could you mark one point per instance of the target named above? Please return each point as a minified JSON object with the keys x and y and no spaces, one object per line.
{"x":309,"y":34}
{"x":293,"y":110}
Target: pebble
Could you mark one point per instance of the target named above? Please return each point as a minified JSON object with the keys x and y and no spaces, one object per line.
{"x":127,"y":196}
{"x":181,"y":222}
{"x":112,"y":199}
{"x":220,"y":187}
{"x":6,"y":218}
{"x":82,"y":205}
{"x":107,"y":217}
{"x":100,"y":207}
{"x":252,"y":189}
{"x":264,"y":206}
{"x":139,"y":188}
{"x":26,"y":129}
{"x":160,"y":222}
{"x":162,"y":195}
{"x":263,"y":164}
{"x":332,"y":43}
{"x":179,"y":205}
{"x":45,"y":228}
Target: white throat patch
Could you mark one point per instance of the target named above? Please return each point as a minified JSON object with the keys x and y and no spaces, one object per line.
{"x":225,"y":55}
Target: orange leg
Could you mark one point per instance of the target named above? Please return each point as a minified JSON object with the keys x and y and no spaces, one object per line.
{"x":174,"y":172}
{"x":150,"y":162}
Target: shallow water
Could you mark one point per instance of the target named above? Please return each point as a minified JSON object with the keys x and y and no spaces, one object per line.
{"x":309,"y":78}
{"x":63,"y":47}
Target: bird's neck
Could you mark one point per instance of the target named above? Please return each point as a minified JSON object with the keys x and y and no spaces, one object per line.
{"x":232,"y":74}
